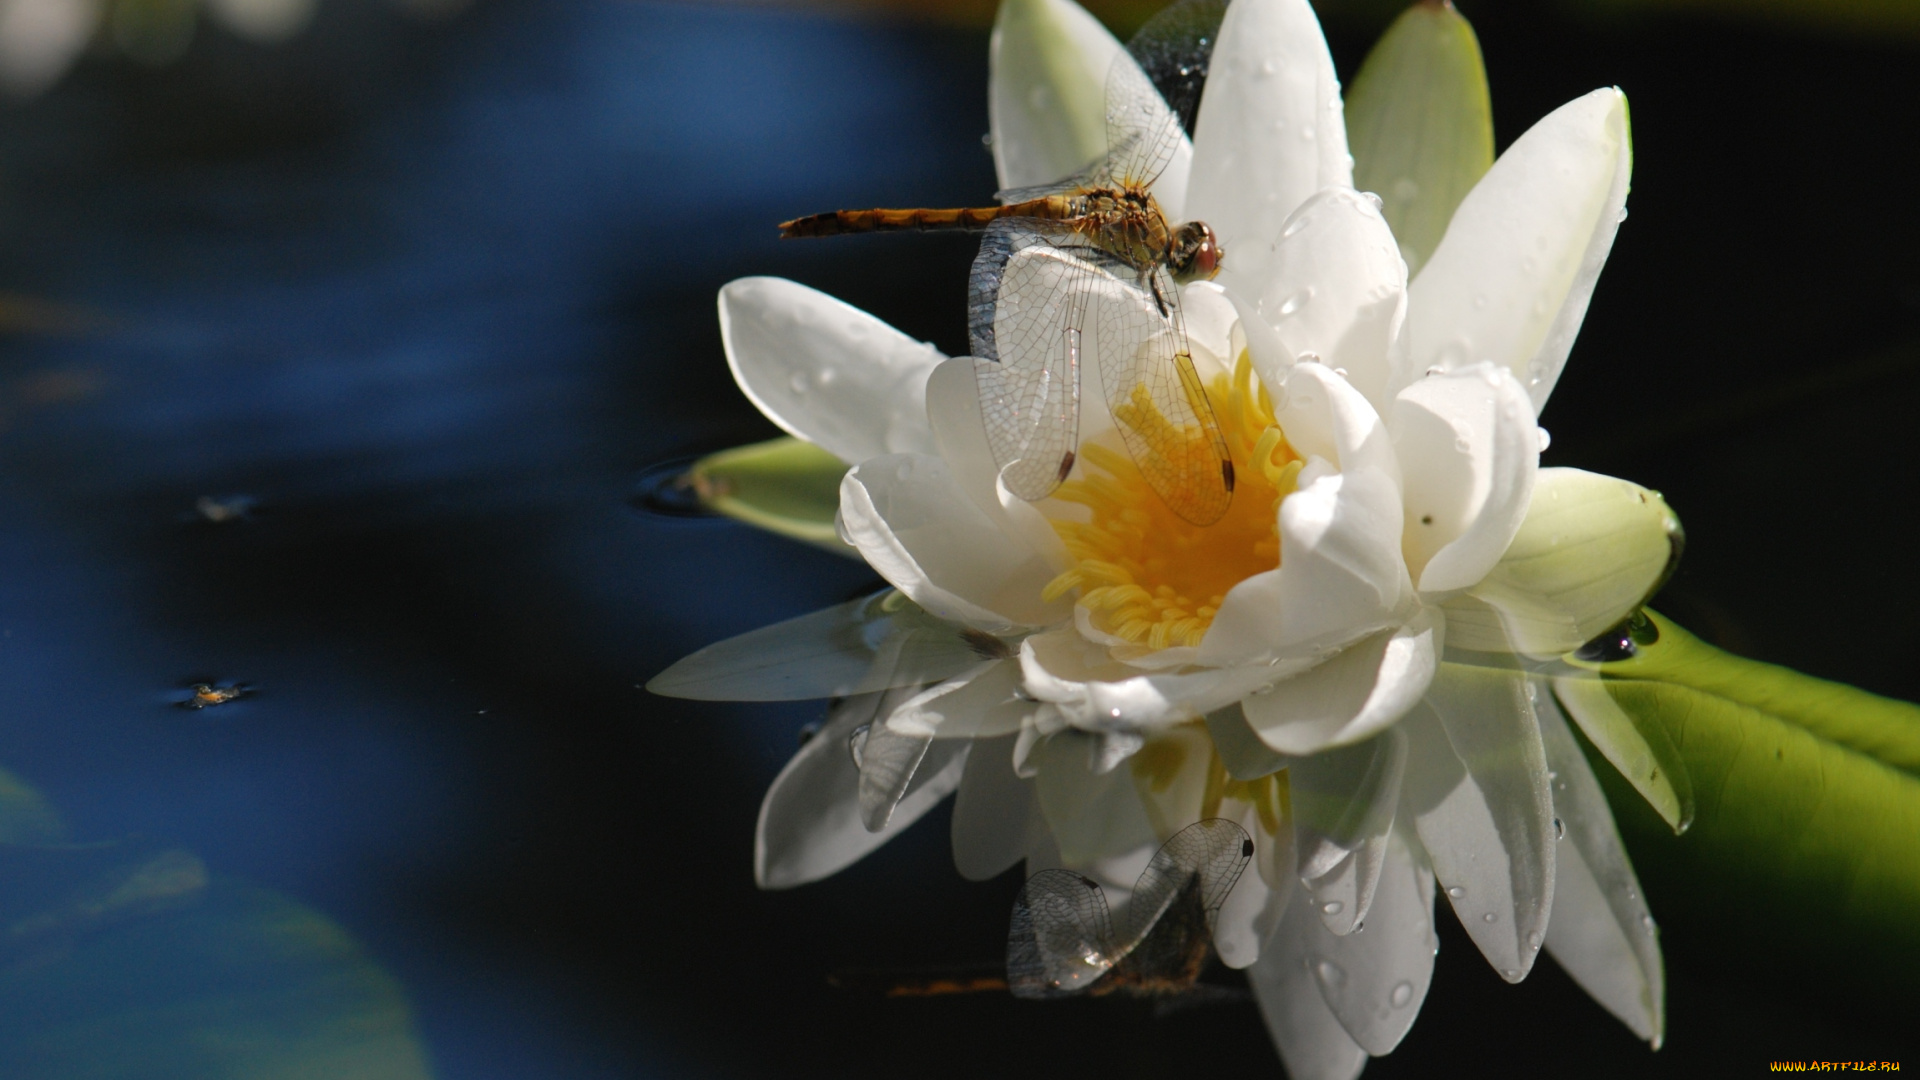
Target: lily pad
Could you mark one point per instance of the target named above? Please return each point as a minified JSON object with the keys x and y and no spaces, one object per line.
{"x":1806,"y":831}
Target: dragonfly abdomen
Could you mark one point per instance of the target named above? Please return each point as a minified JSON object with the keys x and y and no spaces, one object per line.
{"x":970,"y":218}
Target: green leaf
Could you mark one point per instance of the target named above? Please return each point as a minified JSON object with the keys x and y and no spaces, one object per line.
{"x":786,"y":485}
{"x":118,"y":965}
{"x":1420,"y":124}
{"x":1807,"y":792}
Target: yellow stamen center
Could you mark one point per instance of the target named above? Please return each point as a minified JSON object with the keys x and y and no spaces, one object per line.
{"x":1144,"y":574}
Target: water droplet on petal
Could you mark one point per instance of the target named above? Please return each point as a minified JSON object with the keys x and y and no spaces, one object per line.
{"x":1480,"y":300}
{"x":1488,"y":917}
{"x":1559,"y":829}
{"x":797,"y":382}
{"x":1307,"y":132}
{"x":1269,"y":66}
{"x":1330,"y":973}
{"x":1402,"y":993}
{"x":1533,"y":939}
{"x":1510,"y":974}
{"x":1545,"y":440}
{"x":1296,"y":302}
{"x":1461,"y":444}
{"x":1623,"y":214}
{"x":1331,"y":907}
{"x":1456,"y":891}
{"x":1373,"y":200}
{"x":1646,"y":921}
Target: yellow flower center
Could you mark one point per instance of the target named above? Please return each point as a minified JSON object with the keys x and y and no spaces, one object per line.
{"x":1144,"y":574}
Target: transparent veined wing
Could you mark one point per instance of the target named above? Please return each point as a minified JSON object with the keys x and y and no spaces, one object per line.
{"x":1060,"y":940}
{"x":1027,"y":301}
{"x":1157,"y":399}
{"x":1143,"y":134}
{"x":1175,"y":50}
{"x":1204,"y":859}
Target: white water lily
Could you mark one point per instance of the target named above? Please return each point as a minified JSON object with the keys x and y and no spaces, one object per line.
{"x":1334,"y":664}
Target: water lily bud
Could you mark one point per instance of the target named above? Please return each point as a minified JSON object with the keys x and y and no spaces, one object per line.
{"x":1591,"y":549}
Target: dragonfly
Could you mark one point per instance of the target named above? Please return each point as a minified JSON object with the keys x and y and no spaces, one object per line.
{"x":1092,"y":263}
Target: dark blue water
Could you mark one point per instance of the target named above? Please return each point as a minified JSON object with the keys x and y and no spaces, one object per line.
{"x":435,"y":297}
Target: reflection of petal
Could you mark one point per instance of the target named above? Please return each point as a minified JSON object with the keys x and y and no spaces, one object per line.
{"x":39,"y":38}
{"x":1477,"y":789}
{"x":810,"y":825}
{"x":1092,"y":816}
{"x":990,"y":812}
{"x":263,"y":20}
{"x":1376,"y":981}
{"x":825,"y":370}
{"x":1313,"y":1044}
{"x":1601,"y":932}
{"x":1343,"y":798}
{"x":1270,"y":129}
{"x":1469,"y":449}
{"x":1094,"y":692}
{"x":913,"y":524}
{"x":1510,"y":281}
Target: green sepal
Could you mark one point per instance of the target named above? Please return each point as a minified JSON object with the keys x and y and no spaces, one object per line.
{"x":1420,"y":124}
{"x":786,"y":485}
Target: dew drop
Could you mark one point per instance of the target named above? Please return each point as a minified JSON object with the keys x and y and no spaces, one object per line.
{"x":1331,"y":907}
{"x":1456,"y":891}
{"x":1623,"y":214}
{"x":1545,"y":440}
{"x":1461,"y":444}
{"x":1269,"y":66}
{"x":1115,"y":713}
{"x":1373,"y":199}
{"x":1340,"y":371}
{"x":797,"y":382}
{"x":1533,"y":940}
{"x":1488,"y":917}
{"x":1402,"y":993}
{"x":1559,"y":829}
{"x":1294,"y":226}
{"x":1306,"y":133}
{"x":1330,"y":973}
{"x":1296,"y":302}
{"x":1510,"y":974}
{"x":808,"y":731}
{"x":1646,"y":921}
{"x":1480,"y":300}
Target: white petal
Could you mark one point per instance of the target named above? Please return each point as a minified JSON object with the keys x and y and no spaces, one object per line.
{"x":1601,"y":932}
{"x":1343,"y":798}
{"x":1269,"y":132}
{"x":1172,"y":773}
{"x":1341,"y":575}
{"x":953,"y":411}
{"x":990,"y":812}
{"x":1511,"y":279}
{"x":1469,"y":451}
{"x":1337,"y":287}
{"x":874,"y":643}
{"x":810,"y":824}
{"x":1344,"y":894}
{"x":917,"y":529}
{"x":1376,"y":981}
{"x":1046,"y":90}
{"x":1093,"y":692}
{"x":1313,"y":1044}
{"x":1367,"y":686}
{"x":982,"y":703}
{"x":1092,"y":816}
{"x":826,"y":371}
{"x":1477,"y":788}
{"x":1210,"y":316}
{"x":1326,"y":416}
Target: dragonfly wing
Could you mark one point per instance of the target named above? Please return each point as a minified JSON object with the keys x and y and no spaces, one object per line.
{"x":1026,"y":309}
{"x":1175,"y":48}
{"x":1158,"y":401}
{"x":1143,"y":134}
{"x":1061,"y":938}
{"x":1201,"y":862}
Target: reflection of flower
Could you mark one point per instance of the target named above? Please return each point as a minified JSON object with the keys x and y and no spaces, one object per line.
{"x":1286,"y":667}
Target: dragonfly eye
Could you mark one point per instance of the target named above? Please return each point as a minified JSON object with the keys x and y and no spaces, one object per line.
{"x":1196,"y":254}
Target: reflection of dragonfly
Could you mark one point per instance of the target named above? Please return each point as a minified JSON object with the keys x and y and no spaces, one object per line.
{"x":1062,"y":939}
{"x":1094,"y":257}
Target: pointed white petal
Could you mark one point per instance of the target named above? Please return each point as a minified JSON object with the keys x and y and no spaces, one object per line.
{"x":1269,"y":132}
{"x":1336,"y":287}
{"x":1046,"y":90}
{"x":1601,"y":931}
{"x":1478,"y":791}
{"x":1510,"y":281}
{"x":1361,"y":690}
{"x":825,"y":370}
{"x":1642,"y":751}
{"x":1258,"y":900}
{"x":1171,"y":772}
{"x":953,"y":411}
{"x":913,"y":524}
{"x":874,"y":643}
{"x":1313,"y":1044}
{"x":979,"y":704}
{"x":1076,"y":676}
{"x":990,"y":812}
{"x":1469,"y":450}
{"x":1375,"y":981}
{"x":810,"y":825}
{"x":1326,"y":416}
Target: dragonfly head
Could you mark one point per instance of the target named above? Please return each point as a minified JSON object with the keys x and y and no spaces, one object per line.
{"x":1195,"y":254}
